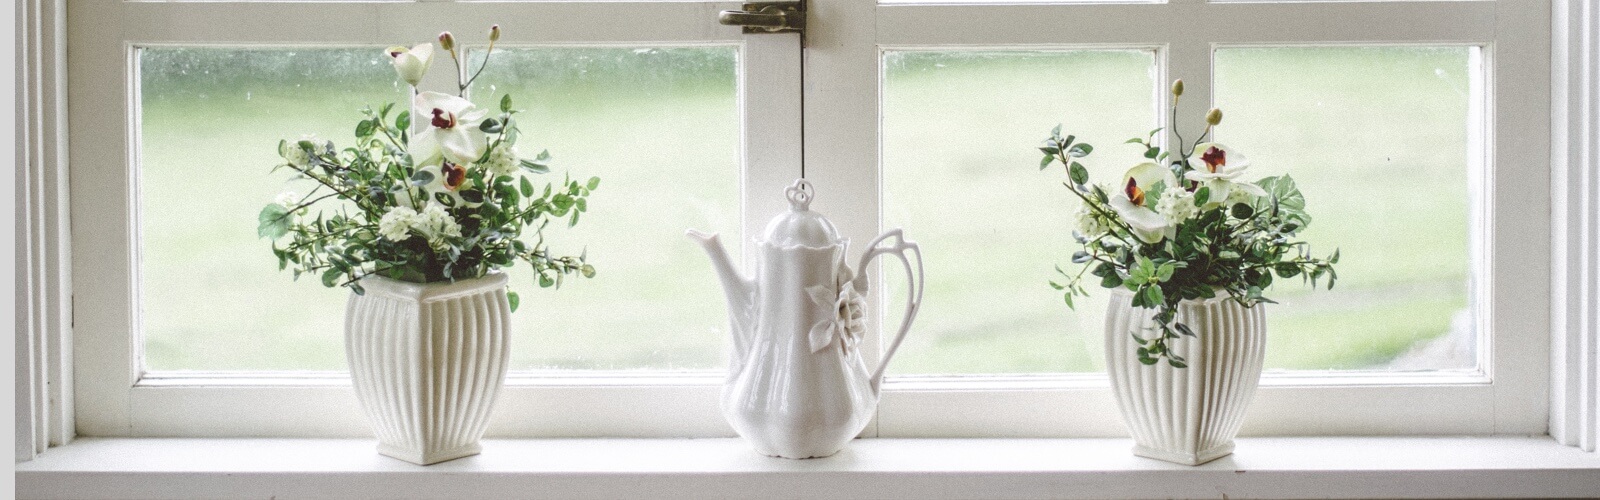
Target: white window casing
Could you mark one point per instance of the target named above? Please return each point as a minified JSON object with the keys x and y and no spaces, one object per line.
{"x":841,"y":157}
{"x":1575,"y":154}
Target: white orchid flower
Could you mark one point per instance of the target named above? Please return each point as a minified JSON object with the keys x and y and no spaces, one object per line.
{"x":1216,"y":167}
{"x":1132,"y":207}
{"x":451,"y":130}
{"x":411,"y":63}
{"x":445,"y":178}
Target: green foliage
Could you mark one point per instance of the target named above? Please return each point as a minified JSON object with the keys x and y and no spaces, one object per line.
{"x":452,"y":225}
{"x":1227,"y":248}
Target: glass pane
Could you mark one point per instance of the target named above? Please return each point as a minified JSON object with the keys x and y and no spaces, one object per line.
{"x":960,"y":175}
{"x":211,"y":295}
{"x":1380,"y":141}
{"x":659,"y":126}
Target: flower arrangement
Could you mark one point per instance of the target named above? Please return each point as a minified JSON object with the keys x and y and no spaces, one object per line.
{"x":1184,"y":225}
{"x":444,"y":198}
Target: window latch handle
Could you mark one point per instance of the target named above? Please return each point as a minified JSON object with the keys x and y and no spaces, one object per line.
{"x":787,"y":16}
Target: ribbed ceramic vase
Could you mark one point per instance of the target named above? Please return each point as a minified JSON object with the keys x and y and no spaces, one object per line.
{"x":428,"y":361}
{"x":1186,"y":415}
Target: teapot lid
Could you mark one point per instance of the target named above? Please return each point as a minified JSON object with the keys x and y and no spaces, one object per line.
{"x":800,"y":227}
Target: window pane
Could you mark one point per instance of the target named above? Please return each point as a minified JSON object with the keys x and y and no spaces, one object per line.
{"x":659,"y":126}
{"x":1380,"y":141}
{"x":960,"y":175}
{"x":211,"y":295}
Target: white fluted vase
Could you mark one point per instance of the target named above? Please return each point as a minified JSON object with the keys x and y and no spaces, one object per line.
{"x":1186,"y":415}
{"x":428,"y":361}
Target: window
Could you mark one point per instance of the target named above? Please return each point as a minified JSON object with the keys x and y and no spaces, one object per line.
{"x":920,"y":115}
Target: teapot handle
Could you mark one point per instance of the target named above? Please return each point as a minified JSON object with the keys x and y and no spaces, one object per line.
{"x":914,"y":290}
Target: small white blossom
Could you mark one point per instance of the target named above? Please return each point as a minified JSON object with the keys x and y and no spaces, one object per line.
{"x":294,"y":154}
{"x":1176,"y":204}
{"x":288,"y":199}
{"x":1090,"y":222}
{"x":503,"y":161}
{"x":437,"y":226}
{"x":396,"y":224}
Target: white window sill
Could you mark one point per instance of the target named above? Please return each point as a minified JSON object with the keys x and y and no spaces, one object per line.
{"x":877,"y":468}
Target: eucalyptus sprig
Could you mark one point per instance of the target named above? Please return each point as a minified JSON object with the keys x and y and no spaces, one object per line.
{"x":450,"y":201}
{"x":1183,"y":227}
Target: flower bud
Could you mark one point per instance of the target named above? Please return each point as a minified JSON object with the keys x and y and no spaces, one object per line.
{"x":1177,"y":87}
{"x":494,"y":33}
{"x":447,"y":41}
{"x":1214,"y":117}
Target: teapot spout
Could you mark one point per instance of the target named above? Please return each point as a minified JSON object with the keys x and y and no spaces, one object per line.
{"x":739,"y":290}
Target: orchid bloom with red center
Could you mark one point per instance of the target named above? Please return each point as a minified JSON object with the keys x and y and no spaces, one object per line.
{"x":453,"y":175}
{"x":1133,"y":192}
{"x":1214,"y":158}
{"x":1222,"y":166}
{"x":1130,"y":204}
{"x":452,"y":133}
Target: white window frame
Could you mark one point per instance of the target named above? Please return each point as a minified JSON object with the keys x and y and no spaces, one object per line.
{"x":841,"y":154}
{"x":1509,"y":395}
{"x":118,"y":399}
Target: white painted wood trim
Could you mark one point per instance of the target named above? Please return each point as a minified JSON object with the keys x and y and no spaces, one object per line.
{"x":869,"y":468}
{"x":43,"y":293}
{"x":1575,"y":151}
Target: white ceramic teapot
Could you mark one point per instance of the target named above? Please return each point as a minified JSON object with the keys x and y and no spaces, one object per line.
{"x":797,"y":385}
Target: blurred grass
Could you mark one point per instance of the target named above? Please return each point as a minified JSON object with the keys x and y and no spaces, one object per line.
{"x":1375,"y":139}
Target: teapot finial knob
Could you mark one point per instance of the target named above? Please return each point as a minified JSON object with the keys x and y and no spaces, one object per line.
{"x":800,"y":195}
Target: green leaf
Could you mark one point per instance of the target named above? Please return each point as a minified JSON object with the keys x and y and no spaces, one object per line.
{"x":1202,"y":195}
{"x":1078,"y":174}
{"x":330,"y":278}
{"x":1287,"y":269}
{"x":527,"y":187}
{"x":1177,"y":363}
{"x":537,"y":168}
{"x":274,"y":222}
{"x":1080,"y":150}
{"x":490,"y":126}
{"x":1045,"y":162}
{"x":364,"y":128}
{"x":1242,"y":211}
{"x":403,"y":121}
{"x":587,"y":271}
{"x":1135,"y":140}
{"x":593,"y":184}
{"x":512,"y":296}
{"x":1152,"y":152}
{"x":1184,"y":329}
{"x":545,"y":281}
{"x":1155,"y":296}
{"x":421,"y":178}
{"x":1110,"y":281}
{"x":1056,"y":132}
{"x":505,"y":106}
{"x":1164,"y":272}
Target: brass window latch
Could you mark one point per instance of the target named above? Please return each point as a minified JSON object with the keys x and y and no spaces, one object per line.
{"x":783,"y":16}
